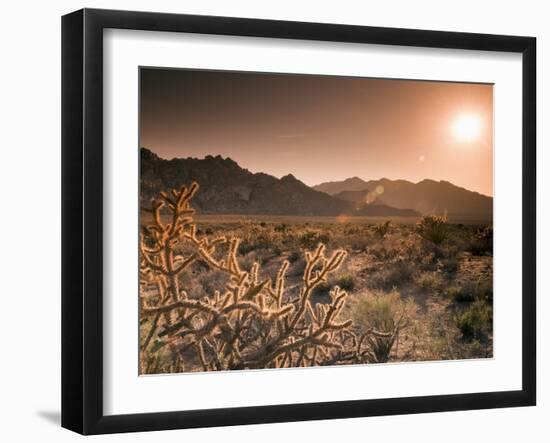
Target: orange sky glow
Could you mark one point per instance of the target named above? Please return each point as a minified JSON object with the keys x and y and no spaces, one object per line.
{"x":323,"y":128}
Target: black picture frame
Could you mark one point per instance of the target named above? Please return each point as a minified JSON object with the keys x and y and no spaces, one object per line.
{"x":82,"y":218}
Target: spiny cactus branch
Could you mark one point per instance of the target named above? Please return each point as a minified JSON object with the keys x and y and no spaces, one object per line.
{"x":251,"y":322}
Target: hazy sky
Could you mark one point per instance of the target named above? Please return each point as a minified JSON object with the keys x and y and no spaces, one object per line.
{"x":323,"y":128}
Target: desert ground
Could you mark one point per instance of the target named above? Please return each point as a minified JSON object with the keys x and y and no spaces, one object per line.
{"x":423,"y":284}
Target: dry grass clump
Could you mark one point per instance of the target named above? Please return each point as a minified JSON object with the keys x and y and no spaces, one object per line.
{"x":383,"y":312}
{"x":475,"y":322}
{"x":470,"y":291}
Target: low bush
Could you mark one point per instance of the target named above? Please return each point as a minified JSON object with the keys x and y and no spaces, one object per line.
{"x":283,"y":228}
{"x":322,"y":289}
{"x":345,"y":282}
{"x":382,"y":229}
{"x":293,"y":257}
{"x":471,"y":291}
{"x":459,"y":294}
{"x":450,"y":265}
{"x":310,"y":239}
{"x":385,"y":313}
{"x":430,"y":281}
{"x":433,"y":228}
{"x":482,"y":242}
{"x":475,"y":321}
{"x":390,"y":276}
{"x":359,"y":243}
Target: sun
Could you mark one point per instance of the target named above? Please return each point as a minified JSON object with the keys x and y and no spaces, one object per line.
{"x":466,"y":127}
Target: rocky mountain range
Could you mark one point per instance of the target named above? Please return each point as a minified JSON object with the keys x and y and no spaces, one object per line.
{"x":227,"y":188}
{"x":349,"y":184}
{"x":426,"y":196}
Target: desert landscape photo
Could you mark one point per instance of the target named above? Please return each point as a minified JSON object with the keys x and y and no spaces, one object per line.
{"x":291,"y":220}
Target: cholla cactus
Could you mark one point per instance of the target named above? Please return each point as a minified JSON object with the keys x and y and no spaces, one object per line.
{"x":433,"y":228}
{"x":249,"y":323}
{"x":382,"y":228}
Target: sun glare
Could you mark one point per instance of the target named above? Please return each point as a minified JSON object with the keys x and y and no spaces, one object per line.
{"x":466,"y":127}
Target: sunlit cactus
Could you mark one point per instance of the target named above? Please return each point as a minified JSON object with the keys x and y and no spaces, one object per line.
{"x":250,"y":323}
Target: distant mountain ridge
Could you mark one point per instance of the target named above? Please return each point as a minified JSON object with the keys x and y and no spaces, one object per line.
{"x":226,"y":188}
{"x":426,"y":196}
{"x":349,"y":184}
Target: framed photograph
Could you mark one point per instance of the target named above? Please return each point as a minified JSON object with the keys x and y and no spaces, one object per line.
{"x":268,"y":221}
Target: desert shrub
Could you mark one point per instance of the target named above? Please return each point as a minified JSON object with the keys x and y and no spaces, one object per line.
{"x":385,"y":252}
{"x":450,"y":265}
{"x":269,"y":255}
{"x":484,"y":289}
{"x":293,"y":257}
{"x":381,"y":229}
{"x":437,"y":347}
{"x":381,"y":346}
{"x":383,"y":311}
{"x":450,"y":249}
{"x":352,"y":230}
{"x":430,"y":281}
{"x":298,"y":267}
{"x":283,"y":228}
{"x":290,"y":240}
{"x":433,"y":228}
{"x":244,"y":320}
{"x":471,"y":291}
{"x":377,"y":309}
{"x":205,"y":282}
{"x":322,"y":289}
{"x":386,"y":313}
{"x":481,"y":242}
{"x":247,"y":261}
{"x":392,"y":275}
{"x":459,"y":294}
{"x":345,"y":282}
{"x":475,"y":321}
{"x":359,"y":243}
{"x":264,"y":239}
{"x":245,"y":248}
{"x":411,"y":248}
{"x":311,"y":239}
{"x":379,"y":251}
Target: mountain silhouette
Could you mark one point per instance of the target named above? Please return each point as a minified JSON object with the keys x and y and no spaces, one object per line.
{"x":226,"y":188}
{"x":349,"y":184}
{"x":426,"y":196}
